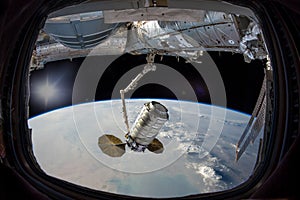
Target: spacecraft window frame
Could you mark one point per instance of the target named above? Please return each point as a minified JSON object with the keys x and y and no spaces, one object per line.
{"x":21,"y":147}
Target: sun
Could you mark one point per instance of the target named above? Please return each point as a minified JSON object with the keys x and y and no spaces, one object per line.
{"x":47,"y":91}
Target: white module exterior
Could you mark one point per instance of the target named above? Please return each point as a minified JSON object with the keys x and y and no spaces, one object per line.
{"x":149,"y":122}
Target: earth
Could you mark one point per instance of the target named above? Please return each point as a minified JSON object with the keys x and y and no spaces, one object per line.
{"x":199,"y":149}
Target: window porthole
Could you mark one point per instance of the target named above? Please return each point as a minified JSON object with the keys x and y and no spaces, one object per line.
{"x":158,"y":102}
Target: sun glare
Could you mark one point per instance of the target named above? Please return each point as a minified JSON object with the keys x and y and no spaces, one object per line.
{"x":47,"y":91}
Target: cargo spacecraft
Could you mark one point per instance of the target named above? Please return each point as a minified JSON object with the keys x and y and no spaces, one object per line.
{"x":142,"y":135}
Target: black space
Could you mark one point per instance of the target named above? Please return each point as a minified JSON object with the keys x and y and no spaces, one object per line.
{"x":152,"y":92}
{"x":114,"y":72}
{"x":242,"y":81}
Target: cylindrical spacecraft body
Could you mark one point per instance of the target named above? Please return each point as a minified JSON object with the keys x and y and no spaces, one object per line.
{"x":147,"y":125}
